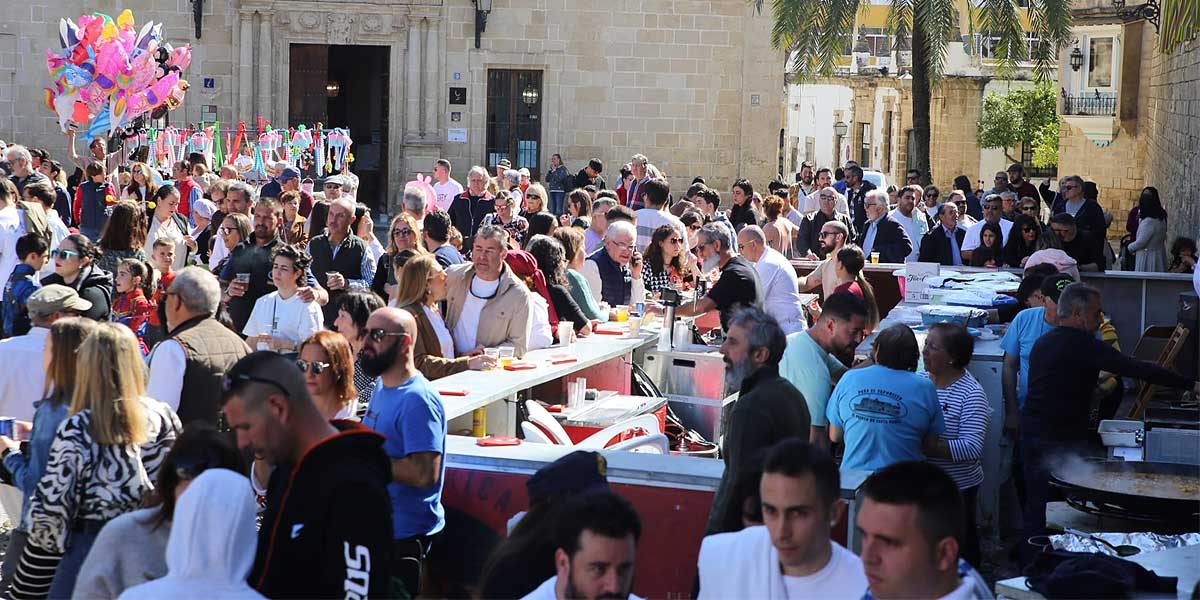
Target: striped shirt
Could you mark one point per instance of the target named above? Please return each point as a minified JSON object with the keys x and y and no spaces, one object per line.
{"x":967,"y":413}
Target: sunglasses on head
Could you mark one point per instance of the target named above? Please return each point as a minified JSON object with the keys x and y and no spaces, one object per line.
{"x":378,"y":334}
{"x":316,"y":368}
{"x":64,"y":254}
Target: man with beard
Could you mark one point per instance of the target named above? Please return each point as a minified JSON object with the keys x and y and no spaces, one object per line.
{"x":815,"y":359}
{"x":252,"y":258}
{"x":812,"y":202}
{"x":805,"y":178}
{"x":810,"y":240}
{"x":738,"y":285}
{"x":409,"y":413}
{"x":791,"y":555}
{"x":325,"y":530}
{"x":596,"y":538}
{"x":768,"y":410}
{"x":856,"y":196}
{"x":833,"y":236}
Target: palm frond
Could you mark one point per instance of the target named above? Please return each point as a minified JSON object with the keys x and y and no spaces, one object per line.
{"x":936,"y":20}
{"x":814,"y":33}
{"x":999,"y":20}
{"x":899,"y":22}
{"x":1051,"y":21}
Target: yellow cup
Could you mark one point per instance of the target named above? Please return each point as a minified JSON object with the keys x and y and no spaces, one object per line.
{"x":622,"y":314}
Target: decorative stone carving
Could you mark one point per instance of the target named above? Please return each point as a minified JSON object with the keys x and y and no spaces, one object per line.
{"x":308,"y":20}
{"x":338,"y":30}
{"x":372,"y":24}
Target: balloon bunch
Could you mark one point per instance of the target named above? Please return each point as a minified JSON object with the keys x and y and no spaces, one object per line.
{"x":108,"y":72}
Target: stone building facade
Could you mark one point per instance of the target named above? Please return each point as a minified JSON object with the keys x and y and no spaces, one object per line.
{"x":693,"y":84}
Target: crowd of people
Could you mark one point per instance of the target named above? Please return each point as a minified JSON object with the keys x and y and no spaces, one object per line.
{"x":190,"y":339}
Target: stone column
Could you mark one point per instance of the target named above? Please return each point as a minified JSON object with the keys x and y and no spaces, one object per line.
{"x":412,"y":80}
{"x":264,"y":65}
{"x":397,"y":90}
{"x":431,"y":76}
{"x":245,"y":67}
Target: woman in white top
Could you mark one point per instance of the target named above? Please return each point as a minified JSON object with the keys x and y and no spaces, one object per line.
{"x":166,"y":222}
{"x":329,"y":374}
{"x":141,"y":188}
{"x":280,"y":320}
{"x":422,"y":285}
{"x":1150,"y":247}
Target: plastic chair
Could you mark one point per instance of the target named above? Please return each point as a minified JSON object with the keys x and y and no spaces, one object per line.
{"x":535,"y":434}
{"x":648,"y":444}
{"x":542,"y":417}
{"x":600,"y":439}
{"x":543,"y":426}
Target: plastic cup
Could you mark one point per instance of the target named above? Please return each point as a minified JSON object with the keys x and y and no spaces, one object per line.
{"x":622,"y":313}
{"x":507,"y":354}
{"x":635,"y":325}
{"x":493,"y":354}
{"x":875,"y":258}
{"x":566,"y":333}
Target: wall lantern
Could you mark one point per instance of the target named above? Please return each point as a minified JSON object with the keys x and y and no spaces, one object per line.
{"x":1076,"y":58}
{"x":840,"y":129}
{"x":482,"y":8}
{"x":332,"y":89}
{"x":530,"y":95}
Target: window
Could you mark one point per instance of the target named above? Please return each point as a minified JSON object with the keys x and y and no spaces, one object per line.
{"x":1032,"y":41}
{"x":878,"y":42}
{"x":864,"y":137}
{"x":514,"y":126}
{"x":1100,"y":62}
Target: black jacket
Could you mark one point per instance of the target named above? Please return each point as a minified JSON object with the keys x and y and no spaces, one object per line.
{"x":891,"y":241}
{"x":935,"y":246}
{"x":94,"y":285}
{"x":858,"y":211}
{"x":768,"y":410}
{"x":809,"y":237}
{"x":467,"y":212}
{"x":327,"y":528}
{"x":743,"y":215}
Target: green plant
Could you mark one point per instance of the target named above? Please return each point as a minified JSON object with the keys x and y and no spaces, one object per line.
{"x":1020,"y":117}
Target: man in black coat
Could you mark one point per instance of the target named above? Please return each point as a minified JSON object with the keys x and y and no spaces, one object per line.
{"x":880,"y":233}
{"x":856,"y":196}
{"x":936,"y":246}
{"x":769,"y":408}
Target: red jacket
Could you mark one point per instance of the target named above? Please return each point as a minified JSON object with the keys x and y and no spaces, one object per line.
{"x":77,"y":208}
{"x":185,"y":187}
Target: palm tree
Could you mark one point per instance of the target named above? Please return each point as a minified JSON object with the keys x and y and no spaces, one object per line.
{"x":813,"y":33}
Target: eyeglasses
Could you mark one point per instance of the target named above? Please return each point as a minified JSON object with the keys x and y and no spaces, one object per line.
{"x":623,"y":246}
{"x":190,"y":467}
{"x":316,"y":368}
{"x":230,"y":382}
{"x":378,"y":334}
{"x":226,"y":230}
{"x":1028,"y":208}
{"x":827,"y":233}
{"x":332,"y":185}
{"x":1069,"y":186}
{"x":64,"y":254}
{"x":531,"y":196}
{"x":676,"y":240}
{"x":405,"y":232}
{"x":827,"y":197}
{"x":1028,"y":228}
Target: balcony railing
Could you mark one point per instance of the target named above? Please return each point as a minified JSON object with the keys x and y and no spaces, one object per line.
{"x":1094,"y":104}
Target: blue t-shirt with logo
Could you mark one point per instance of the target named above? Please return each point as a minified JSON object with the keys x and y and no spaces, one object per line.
{"x":1027,"y":327}
{"x":884,"y":415}
{"x":413,"y":420}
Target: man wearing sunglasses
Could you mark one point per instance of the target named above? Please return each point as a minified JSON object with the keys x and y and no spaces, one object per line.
{"x":326,"y":530}
{"x":809,"y":239}
{"x":993,"y":212}
{"x":409,"y":413}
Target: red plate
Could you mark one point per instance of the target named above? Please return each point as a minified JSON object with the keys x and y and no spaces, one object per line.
{"x":520,"y":366}
{"x":498,"y":441}
{"x":453,"y":392}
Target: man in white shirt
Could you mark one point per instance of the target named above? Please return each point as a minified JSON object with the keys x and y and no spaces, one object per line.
{"x":594,"y":236}
{"x":654,"y":194}
{"x":22,"y":379}
{"x":812,"y":202}
{"x":914,"y":221}
{"x":791,"y":554}
{"x":781,"y":296}
{"x":911,"y":519}
{"x":596,"y":541}
{"x":993,"y":210}
{"x":446,"y":188}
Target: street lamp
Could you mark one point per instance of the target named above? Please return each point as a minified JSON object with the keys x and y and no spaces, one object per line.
{"x":482,"y":8}
{"x":1076,"y":58}
{"x":840,"y":129}
{"x":529,"y":95}
{"x":333,"y":88}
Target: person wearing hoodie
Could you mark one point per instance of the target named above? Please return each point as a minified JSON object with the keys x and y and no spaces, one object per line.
{"x":74,"y":268}
{"x":206,"y":562}
{"x":327,"y":528}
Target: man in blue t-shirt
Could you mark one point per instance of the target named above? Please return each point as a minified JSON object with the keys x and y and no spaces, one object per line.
{"x":1025,"y":330}
{"x":409,"y":413}
{"x":885,"y":411}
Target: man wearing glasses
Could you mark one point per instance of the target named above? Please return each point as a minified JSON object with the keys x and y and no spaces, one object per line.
{"x":332,"y":186}
{"x":186,"y":368}
{"x":834,"y":235}
{"x":809,"y":240}
{"x":614,"y":272}
{"x":738,"y":286}
{"x":326,"y":530}
{"x":1089,"y":216}
{"x":880,"y":233}
{"x":993,"y":210}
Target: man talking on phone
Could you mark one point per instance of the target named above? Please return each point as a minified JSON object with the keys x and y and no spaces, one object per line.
{"x":738,"y":284}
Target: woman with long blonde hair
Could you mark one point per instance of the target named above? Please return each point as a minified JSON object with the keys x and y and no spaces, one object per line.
{"x":141,"y":186}
{"x":103,"y":459}
{"x":422,"y":286}
{"x":403,"y":234}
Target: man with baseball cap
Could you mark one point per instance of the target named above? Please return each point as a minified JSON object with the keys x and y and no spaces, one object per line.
{"x":274,"y":187}
{"x":22,"y":379}
{"x":289,"y":181}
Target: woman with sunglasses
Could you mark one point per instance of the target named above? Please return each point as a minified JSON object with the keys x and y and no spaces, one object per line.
{"x":506,"y":216}
{"x":665,"y":266}
{"x":1022,"y":245}
{"x":353,"y":311}
{"x":329,"y":374}
{"x":135,"y":543}
{"x":422,"y":286}
{"x":234,"y":229}
{"x":103,"y":459}
{"x":403,"y":235}
{"x":579,"y":206}
{"x":74,"y":267}
{"x":535,"y":200}
{"x":282,"y":319}
{"x":990,"y":252}
{"x":26,"y":464}
{"x":1032,"y":207}
{"x":141,"y":186}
